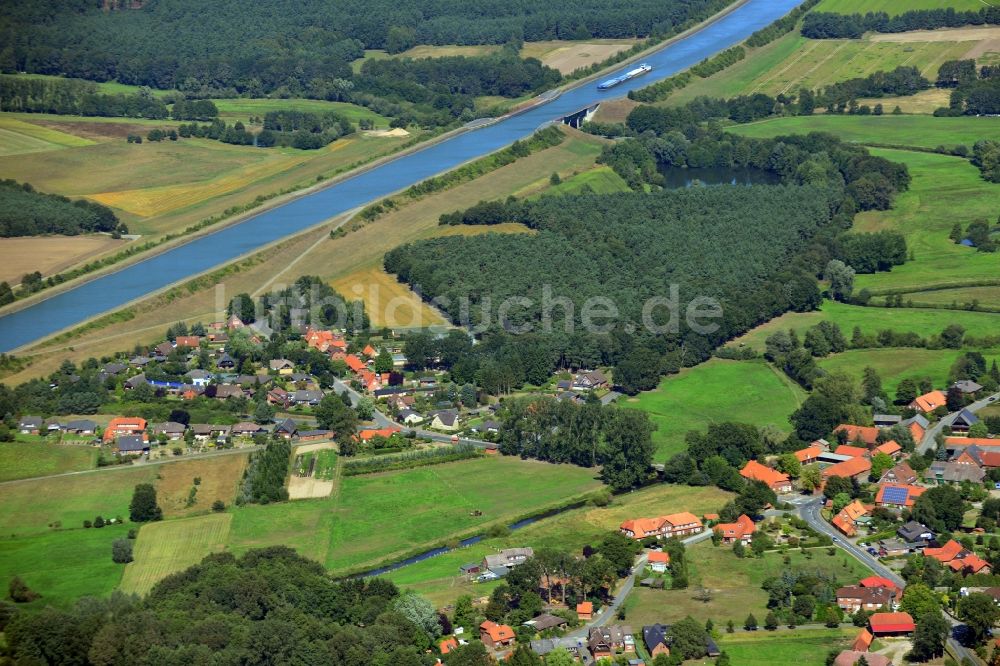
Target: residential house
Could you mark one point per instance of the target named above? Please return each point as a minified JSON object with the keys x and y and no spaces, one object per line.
{"x":589,"y":381}
{"x":282,"y":366}
{"x":279,"y":396}
{"x":963,"y":421}
{"x":741,"y":531}
{"x":890,"y":448}
{"x":509,"y":557}
{"x":928,"y":402}
{"x":30,"y":425}
{"x":247,"y":429}
{"x":958,"y":559}
{"x":861,"y":434}
{"x":206,"y":431}
{"x":956,"y":444}
{"x":674,"y":524}
{"x":546,"y":621}
{"x":855,"y":597}
{"x":225,"y":361}
{"x":470,"y":569}
{"x":848,"y":519}
{"x":410,"y":417}
{"x":918,"y":426}
{"x":140,"y":361}
{"x":900,"y":473}
{"x":226,"y":391}
{"x":893,"y":496}
{"x":399,"y":360}
{"x":585,"y":610}
{"x":134,"y":381}
{"x":656,"y":638}
{"x":892,"y":548}
{"x":199,"y":377}
{"x":234,"y":323}
{"x":187,"y":341}
{"x":956,"y":472}
{"x":852,"y":451}
{"x":851,"y":468}
{"x":371,"y":433}
{"x":879,"y":581}
{"x":569,"y":396}
{"x":915,"y":534}
{"x":305,"y":397}
{"x":488,"y":426}
{"x":852,"y":657}
{"x":658,"y":560}
{"x":314,"y":435}
{"x":496,"y":636}
{"x":354,"y":364}
{"x":369,"y":351}
{"x":886,"y":420}
{"x":171,"y":430}
{"x":81,"y":427}
{"x":125,"y":425}
{"x":605,"y":642}
{"x":447,"y":645}
{"x":776,"y":481}
{"x":883,"y":624}
{"x":446,"y":419}
{"x":286,"y":429}
{"x":976,"y":455}
{"x":113,"y":369}
{"x":968,"y":387}
{"x":131,"y":445}
{"x":163,"y":349}
{"x":808,"y":455}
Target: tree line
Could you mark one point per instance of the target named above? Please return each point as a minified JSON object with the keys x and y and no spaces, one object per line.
{"x":975,"y":91}
{"x":74,"y":97}
{"x":24,"y":211}
{"x":264,"y":479}
{"x":294,"y":129}
{"x":828,"y":25}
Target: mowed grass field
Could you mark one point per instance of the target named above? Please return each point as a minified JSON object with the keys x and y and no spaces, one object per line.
{"x":18,"y":137}
{"x":894,"y":7}
{"x":170,"y":546}
{"x":956,"y":297}
{"x":218,"y":476}
{"x":63,"y":565}
{"x":871,"y":320}
{"x":894,"y":365}
{"x":904,"y":130}
{"x":715,"y":391}
{"x":232,"y":110}
{"x":600,"y":180}
{"x":438,"y":577}
{"x":22,"y":460}
{"x":378,"y":517}
{"x":735,"y":585}
{"x":805,"y":647}
{"x":50,"y":254}
{"x":793,"y":62}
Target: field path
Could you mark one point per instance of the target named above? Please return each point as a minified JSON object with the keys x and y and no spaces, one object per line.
{"x":806,"y":51}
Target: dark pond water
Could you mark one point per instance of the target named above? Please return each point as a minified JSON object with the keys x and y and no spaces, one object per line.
{"x":677,"y":177}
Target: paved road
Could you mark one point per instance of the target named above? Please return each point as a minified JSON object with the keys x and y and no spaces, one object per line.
{"x":928,"y":442}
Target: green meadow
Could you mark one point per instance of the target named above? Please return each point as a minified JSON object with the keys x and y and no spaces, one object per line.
{"x":894,"y":365}
{"x":804,"y":647}
{"x":719,"y":390}
{"x":241,"y":109}
{"x":894,"y":7}
{"x":21,"y":460}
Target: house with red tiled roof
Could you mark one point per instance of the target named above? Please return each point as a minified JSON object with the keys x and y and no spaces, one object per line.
{"x":741,"y":531}
{"x":846,"y":521}
{"x":863,"y":641}
{"x":674,"y":524}
{"x":896,"y":496}
{"x":354,"y":364}
{"x":496,"y":636}
{"x":776,"y":481}
{"x":928,"y":402}
{"x":369,"y":351}
{"x":891,"y":623}
{"x":851,"y":657}
{"x":187,"y":341}
{"x":878,"y":581}
{"x":900,"y":473}
{"x":371,"y":433}
{"x":852,"y":451}
{"x":447,"y":645}
{"x":585,"y":610}
{"x":890,"y":448}
{"x":855,"y":433}
{"x":808,"y":455}
{"x":658,"y":560}
{"x":853,"y":468}
{"x":854,"y":597}
{"x":957,"y":558}
{"x":121,"y":426}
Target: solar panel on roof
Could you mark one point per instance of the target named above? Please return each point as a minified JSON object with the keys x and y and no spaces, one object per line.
{"x":895,"y":495}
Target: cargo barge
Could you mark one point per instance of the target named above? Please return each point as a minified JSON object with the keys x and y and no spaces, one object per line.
{"x":638,"y":71}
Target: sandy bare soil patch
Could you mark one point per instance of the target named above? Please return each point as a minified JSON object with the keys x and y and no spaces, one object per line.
{"x":394,"y":132}
{"x":573,"y":56}
{"x":972,"y":34}
{"x":49,"y":254}
{"x":308,"y":487}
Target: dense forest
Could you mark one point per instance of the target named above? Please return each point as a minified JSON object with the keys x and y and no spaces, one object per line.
{"x":26,"y":212}
{"x":293,"y":46}
{"x":826,"y":25}
{"x":975,"y":91}
{"x":75,"y":97}
{"x":268,"y":606}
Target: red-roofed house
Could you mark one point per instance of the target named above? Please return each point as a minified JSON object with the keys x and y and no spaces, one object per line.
{"x":125,"y":425}
{"x":675,"y":524}
{"x":851,"y":657}
{"x":187,"y":341}
{"x":585,"y":610}
{"x":447,"y":645}
{"x":369,"y":351}
{"x":370,"y":433}
{"x":897,"y":496}
{"x":852,"y":451}
{"x":846,"y":521}
{"x":958,"y":559}
{"x":917,"y":431}
{"x":863,"y":641}
{"x":808,"y":455}
{"x":742,"y":530}
{"x":877,"y":581}
{"x":856,"y":433}
{"x":354,"y":363}
{"x":928,"y":402}
{"x":496,"y":636}
{"x":890,"y":448}
{"x":854,"y":597}
{"x":658,"y":560}
{"x":891,"y":623}
{"x":776,"y":481}
{"x":855,"y":467}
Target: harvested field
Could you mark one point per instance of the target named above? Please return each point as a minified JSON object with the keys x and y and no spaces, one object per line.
{"x":969,"y":34}
{"x":570,"y":56}
{"x":387,"y":301}
{"x":220,"y":476}
{"x":615,"y":110}
{"x":98,"y":131}
{"x":171,"y":546}
{"x":50,"y":254}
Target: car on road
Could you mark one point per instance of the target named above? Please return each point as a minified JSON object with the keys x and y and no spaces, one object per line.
{"x":836,"y":540}
{"x":871,"y":551}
